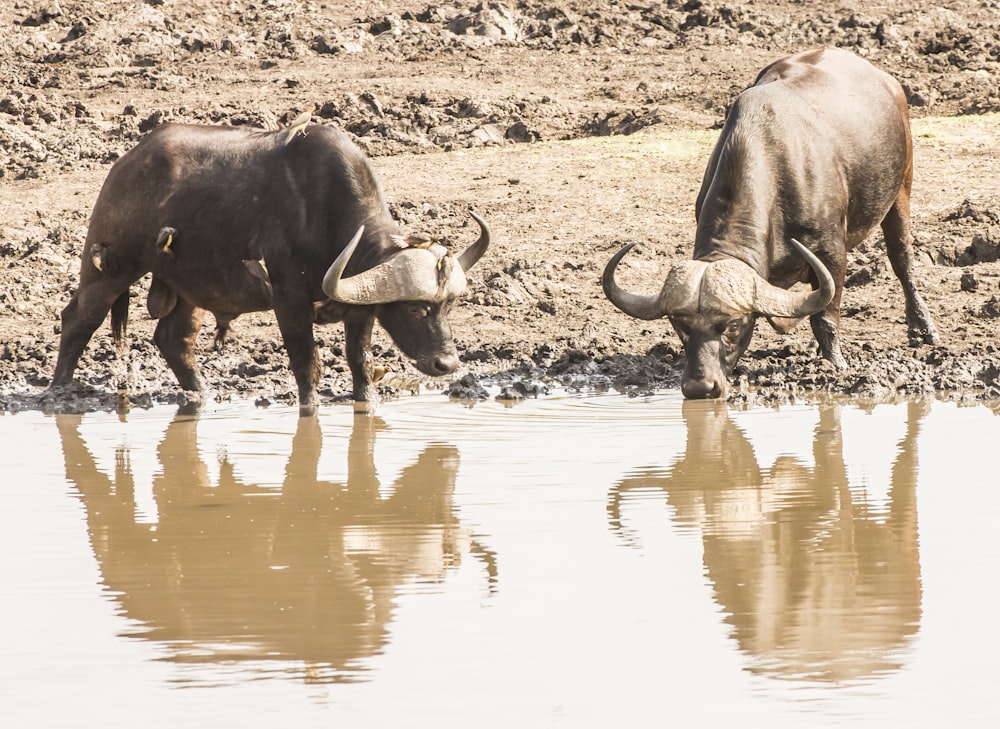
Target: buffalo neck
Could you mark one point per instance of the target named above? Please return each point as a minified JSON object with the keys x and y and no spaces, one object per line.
{"x":751,"y":181}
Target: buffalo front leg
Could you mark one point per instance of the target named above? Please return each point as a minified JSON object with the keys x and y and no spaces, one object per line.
{"x":899,"y":246}
{"x":826,"y":324}
{"x":175,"y":336}
{"x":295,"y":320}
{"x":358,"y":336}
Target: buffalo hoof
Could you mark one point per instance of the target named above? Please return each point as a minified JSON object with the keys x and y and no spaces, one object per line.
{"x":923,"y":335}
{"x":837,"y":360}
{"x":364,"y":407}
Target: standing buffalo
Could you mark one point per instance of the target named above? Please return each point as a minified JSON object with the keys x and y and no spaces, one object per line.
{"x":818,"y":150}
{"x":232,"y":220}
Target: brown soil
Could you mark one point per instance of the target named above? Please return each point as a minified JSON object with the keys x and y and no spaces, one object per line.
{"x":572,"y":127}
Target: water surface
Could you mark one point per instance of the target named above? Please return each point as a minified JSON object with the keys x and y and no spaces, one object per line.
{"x":569,"y":561}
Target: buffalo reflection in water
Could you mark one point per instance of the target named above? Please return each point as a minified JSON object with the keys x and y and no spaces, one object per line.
{"x":307,"y":572}
{"x":817,"y":582}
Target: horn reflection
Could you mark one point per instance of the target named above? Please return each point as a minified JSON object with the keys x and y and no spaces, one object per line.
{"x":817,"y":582}
{"x":239,"y":572}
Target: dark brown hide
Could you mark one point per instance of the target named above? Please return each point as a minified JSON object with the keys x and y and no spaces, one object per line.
{"x":233,"y":220}
{"x":817,"y":150}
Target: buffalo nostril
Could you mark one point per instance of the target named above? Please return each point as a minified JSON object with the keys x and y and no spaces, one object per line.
{"x":701,"y":389}
{"x":445,"y":364}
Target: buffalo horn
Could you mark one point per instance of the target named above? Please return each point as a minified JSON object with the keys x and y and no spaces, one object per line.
{"x":471,"y":255}
{"x":773,"y":300}
{"x":412,"y":274}
{"x":638,"y":306}
{"x":331,"y":281}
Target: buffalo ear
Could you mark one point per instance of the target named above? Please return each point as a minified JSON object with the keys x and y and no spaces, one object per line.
{"x":783,"y":324}
{"x":773,"y":301}
{"x":329,"y":312}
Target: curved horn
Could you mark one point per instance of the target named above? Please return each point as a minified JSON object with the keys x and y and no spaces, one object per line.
{"x":332,"y":284}
{"x":641,"y":307}
{"x":410,"y":274}
{"x":775,"y":301}
{"x":471,"y":255}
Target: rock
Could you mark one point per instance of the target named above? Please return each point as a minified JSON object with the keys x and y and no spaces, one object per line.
{"x":973,"y":211}
{"x":489,"y":134}
{"x":985,"y":248}
{"x":519,"y":132}
{"x":861,"y":277}
{"x":509,"y":394}
{"x":991,"y":309}
{"x":42,"y":15}
{"x":467,"y":388}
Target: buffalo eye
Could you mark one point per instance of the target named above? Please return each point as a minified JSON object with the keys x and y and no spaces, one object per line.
{"x":731,"y":330}
{"x":682,"y":329}
{"x":418,"y":310}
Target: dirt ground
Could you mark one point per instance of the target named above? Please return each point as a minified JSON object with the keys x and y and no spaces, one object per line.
{"x":572,"y":127}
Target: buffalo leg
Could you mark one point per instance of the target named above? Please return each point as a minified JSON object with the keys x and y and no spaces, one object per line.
{"x":899,"y":246}
{"x":825,"y":328}
{"x":175,"y":336}
{"x":826,"y":324}
{"x":85,"y":312}
{"x":358,"y":336}
{"x":295,"y":320}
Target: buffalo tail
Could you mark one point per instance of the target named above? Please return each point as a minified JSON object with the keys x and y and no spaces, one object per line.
{"x":119,"y":318}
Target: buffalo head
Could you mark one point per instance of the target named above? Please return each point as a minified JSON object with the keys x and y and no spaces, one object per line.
{"x":412,"y":291}
{"x":713,"y":306}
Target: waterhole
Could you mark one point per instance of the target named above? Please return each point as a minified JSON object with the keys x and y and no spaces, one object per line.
{"x":567,"y":561}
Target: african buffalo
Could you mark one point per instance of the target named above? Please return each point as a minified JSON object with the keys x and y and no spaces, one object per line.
{"x":818,"y":150}
{"x":233,"y":220}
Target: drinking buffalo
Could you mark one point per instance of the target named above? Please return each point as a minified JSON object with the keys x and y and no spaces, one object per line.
{"x":818,"y":150}
{"x":233,"y":220}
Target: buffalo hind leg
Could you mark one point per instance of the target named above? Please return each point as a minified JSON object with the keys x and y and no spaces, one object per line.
{"x":175,"y":336}
{"x":899,"y":246}
{"x":223,"y":324}
{"x":85,"y":312}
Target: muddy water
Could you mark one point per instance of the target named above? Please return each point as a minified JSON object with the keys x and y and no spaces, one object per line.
{"x":564,"y":562}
